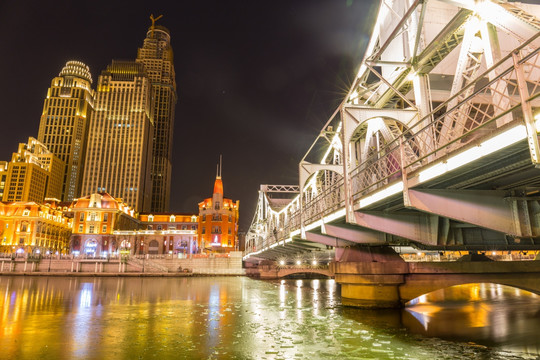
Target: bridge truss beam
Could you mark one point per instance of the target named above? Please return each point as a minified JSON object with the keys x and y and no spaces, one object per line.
{"x":436,"y":144}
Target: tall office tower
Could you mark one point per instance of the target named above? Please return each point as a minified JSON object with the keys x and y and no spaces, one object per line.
{"x":33,"y":174}
{"x":119,"y":152}
{"x":157,"y":56}
{"x":64,"y":123}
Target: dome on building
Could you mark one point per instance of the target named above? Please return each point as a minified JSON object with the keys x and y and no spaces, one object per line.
{"x":78,"y":69}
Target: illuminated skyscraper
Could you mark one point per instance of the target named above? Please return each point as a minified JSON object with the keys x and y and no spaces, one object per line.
{"x":64,"y":123}
{"x":157,"y":57}
{"x":119,"y":153}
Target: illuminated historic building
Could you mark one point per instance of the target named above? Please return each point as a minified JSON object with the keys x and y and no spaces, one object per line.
{"x":218,"y":221}
{"x":168,"y":233}
{"x":64,"y":123}
{"x":119,"y":153}
{"x":33,"y":174}
{"x":27,"y":227}
{"x":157,"y":56}
{"x":96,"y":217}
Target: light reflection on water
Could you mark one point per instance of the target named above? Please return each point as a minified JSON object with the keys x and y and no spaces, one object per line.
{"x":241,"y":318}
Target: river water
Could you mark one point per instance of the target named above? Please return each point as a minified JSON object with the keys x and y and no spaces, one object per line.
{"x":242,"y":318}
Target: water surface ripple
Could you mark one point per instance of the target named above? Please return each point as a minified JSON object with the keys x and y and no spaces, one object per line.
{"x":242,"y":318}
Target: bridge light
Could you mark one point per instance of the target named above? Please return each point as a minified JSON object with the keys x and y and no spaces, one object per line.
{"x":281,"y":262}
{"x":298,"y":262}
{"x":314,"y":262}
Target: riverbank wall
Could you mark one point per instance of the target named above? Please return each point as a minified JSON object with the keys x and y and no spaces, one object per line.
{"x":128,"y":266}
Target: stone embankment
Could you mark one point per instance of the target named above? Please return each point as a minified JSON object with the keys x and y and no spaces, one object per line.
{"x":230,"y":264}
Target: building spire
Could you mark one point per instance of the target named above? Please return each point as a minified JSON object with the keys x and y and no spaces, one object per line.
{"x":218,"y":184}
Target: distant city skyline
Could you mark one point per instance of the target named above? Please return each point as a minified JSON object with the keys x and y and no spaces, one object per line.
{"x":254,"y":83}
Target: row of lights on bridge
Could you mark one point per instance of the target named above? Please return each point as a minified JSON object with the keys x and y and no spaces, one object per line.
{"x":298,"y":262}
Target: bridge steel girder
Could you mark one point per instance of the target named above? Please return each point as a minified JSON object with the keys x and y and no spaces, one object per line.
{"x":307,"y":169}
{"x":414,"y":226}
{"x":358,"y":235}
{"x":355,"y":115}
{"x":327,"y":240}
{"x":490,"y":209}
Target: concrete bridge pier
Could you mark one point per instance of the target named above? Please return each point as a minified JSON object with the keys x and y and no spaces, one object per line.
{"x":379,"y":278}
{"x":369,"y":276}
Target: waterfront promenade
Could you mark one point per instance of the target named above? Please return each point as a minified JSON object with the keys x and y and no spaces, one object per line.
{"x":166,"y":265}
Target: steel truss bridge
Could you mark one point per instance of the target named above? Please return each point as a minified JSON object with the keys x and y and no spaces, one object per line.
{"x":435,"y":146}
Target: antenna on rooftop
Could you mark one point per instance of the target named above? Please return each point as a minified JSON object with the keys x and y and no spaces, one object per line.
{"x":154,"y":22}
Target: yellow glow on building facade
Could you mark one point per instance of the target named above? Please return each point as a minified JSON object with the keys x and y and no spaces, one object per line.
{"x":96,"y":217}
{"x":33,"y":174}
{"x":157,"y":57}
{"x":64,"y":122}
{"x":27,"y":227}
{"x":168,"y":233}
{"x":119,"y":154}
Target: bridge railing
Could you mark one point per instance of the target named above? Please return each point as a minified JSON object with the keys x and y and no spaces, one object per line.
{"x":329,"y":200}
{"x":487,"y":103}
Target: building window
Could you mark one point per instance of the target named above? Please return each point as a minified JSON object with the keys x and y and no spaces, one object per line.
{"x":92,"y":216}
{"x":104,"y":230}
{"x":149,"y":227}
{"x":105,"y":216}
{"x":204,"y":230}
{"x":230,"y":218}
{"x":26,"y":212}
{"x":150,"y":217}
{"x":81,"y":218}
{"x":159,"y":227}
{"x":80,"y":228}
{"x":216,"y":207}
{"x":229,"y":231}
{"x":193,"y":227}
{"x":91,"y":229}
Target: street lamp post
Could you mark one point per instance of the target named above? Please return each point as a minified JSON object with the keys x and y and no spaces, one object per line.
{"x":50,"y":259}
{"x":142,"y":245}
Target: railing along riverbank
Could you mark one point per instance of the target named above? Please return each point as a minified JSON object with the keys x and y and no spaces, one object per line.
{"x":123,"y":266}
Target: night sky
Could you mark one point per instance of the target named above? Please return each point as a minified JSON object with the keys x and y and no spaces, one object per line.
{"x":256,"y":80}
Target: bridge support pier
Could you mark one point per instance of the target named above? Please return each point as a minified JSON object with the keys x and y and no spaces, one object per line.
{"x":374,"y":278}
{"x":370,"y":276}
